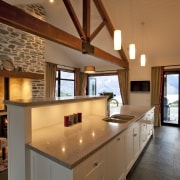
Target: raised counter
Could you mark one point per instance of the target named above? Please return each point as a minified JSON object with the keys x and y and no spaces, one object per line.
{"x":38,"y":124}
{"x":26,"y":116}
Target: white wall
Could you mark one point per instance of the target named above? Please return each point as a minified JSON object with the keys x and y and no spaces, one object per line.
{"x":144,"y":73}
{"x":55,"y":53}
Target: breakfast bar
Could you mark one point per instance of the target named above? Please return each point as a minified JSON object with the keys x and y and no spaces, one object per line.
{"x":39,"y":140}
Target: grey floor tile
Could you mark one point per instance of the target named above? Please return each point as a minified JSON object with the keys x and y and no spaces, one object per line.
{"x":161,"y":158}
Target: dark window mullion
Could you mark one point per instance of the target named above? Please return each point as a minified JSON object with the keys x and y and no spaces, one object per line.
{"x":179,"y":101}
{"x":63,"y":79}
{"x":58,"y":79}
{"x":68,"y":79}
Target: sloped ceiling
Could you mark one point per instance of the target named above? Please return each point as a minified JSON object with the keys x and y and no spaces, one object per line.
{"x":161,"y":37}
{"x":103,"y":40}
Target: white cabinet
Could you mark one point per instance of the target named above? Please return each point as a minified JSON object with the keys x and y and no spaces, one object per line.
{"x":132,"y":146}
{"x":136,"y":144}
{"x":146,"y":128}
{"x":116,"y":158}
{"x":43,"y":168}
{"x":143,"y":132}
{"x":129,"y":149}
{"x":150,"y":123}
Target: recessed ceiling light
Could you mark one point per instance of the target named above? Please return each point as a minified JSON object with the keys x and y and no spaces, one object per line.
{"x":51,"y":1}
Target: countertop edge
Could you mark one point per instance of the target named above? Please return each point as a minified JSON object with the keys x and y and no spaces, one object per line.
{"x":50,"y":101}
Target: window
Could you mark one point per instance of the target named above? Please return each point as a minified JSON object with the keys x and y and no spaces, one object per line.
{"x":170,"y":107}
{"x":65,"y":83}
{"x":104,"y":83}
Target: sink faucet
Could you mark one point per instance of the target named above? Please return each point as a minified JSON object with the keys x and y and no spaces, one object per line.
{"x":108,"y":105}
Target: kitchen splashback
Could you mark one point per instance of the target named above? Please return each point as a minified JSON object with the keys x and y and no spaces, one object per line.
{"x":17,"y":88}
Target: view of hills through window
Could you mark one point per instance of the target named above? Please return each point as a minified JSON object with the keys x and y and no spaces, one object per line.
{"x":64,"y":83}
{"x":100,"y":84}
{"x":96,"y":85}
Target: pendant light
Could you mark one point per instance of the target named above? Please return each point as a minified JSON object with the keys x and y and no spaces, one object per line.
{"x":143,"y":60}
{"x":143,"y":56}
{"x":89,"y":69}
{"x":132,"y":48}
{"x":132,"y":51}
{"x":117,"y":39}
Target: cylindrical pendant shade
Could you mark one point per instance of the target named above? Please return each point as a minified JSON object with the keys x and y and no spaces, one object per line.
{"x":143,"y":59}
{"x":89,"y":69}
{"x":117,"y":40}
{"x":132,"y":51}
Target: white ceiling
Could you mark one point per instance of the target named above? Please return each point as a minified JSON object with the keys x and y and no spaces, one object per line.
{"x":161,"y":30}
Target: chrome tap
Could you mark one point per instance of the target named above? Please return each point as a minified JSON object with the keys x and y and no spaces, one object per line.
{"x":108,"y":106}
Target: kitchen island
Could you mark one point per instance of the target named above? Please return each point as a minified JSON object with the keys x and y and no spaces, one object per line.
{"x":48,"y":146}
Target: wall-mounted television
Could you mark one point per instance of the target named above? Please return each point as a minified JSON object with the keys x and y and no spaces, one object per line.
{"x":140,"y":86}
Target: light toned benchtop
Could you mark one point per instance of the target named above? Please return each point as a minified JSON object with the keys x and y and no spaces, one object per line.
{"x":69,"y":146}
{"x":50,"y":101}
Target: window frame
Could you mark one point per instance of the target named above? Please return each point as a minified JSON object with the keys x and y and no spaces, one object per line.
{"x":59,"y":79}
{"x":98,"y":74}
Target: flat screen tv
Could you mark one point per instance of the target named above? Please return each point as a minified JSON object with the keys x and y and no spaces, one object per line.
{"x":140,"y":86}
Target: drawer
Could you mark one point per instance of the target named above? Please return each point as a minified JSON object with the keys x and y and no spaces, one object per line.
{"x":93,"y":163}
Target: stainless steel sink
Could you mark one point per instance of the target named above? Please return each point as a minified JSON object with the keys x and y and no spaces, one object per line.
{"x":119,"y":118}
{"x":123,"y":117}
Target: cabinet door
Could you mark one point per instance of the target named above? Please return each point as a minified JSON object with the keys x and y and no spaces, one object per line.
{"x":43,"y":168}
{"x":132,"y":146}
{"x":150,"y":123}
{"x":143,"y":133}
{"x":40,"y":168}
{"x":116,"y":158}
{"x":129,"y":149}
{"x":136,"y":145}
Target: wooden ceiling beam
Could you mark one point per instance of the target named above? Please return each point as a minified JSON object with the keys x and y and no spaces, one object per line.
{"x":104,"y":16}
{"x":97,"y":30}
{"x":86,"y":17}
{"x":75,"y":20}
{"x":109,"y":25}
{"x":17,"y":18}
{"x":109,"y":57}
{"x":12,"y":16}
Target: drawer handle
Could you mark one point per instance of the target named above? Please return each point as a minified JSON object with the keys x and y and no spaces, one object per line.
{"x":134,"y":135}
{"x":95,"y":164}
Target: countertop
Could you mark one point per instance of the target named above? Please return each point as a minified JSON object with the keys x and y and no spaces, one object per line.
{"x":69,"y":146}
{"x":50,"y":101}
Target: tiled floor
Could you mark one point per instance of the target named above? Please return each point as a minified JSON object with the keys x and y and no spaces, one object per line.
{"x":161,"y":159}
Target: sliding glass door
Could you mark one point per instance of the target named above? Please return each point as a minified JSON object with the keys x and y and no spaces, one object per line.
{"x":170,"y":100}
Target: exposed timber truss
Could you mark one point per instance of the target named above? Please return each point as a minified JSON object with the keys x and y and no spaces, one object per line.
{"x":12,"y":16}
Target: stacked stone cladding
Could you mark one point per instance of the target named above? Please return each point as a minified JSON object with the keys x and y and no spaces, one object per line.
{"x":26,"y":50}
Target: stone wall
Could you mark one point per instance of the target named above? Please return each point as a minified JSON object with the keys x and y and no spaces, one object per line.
{"x":26,"y":50}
